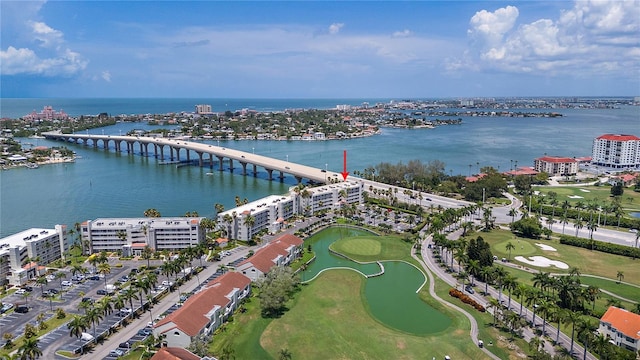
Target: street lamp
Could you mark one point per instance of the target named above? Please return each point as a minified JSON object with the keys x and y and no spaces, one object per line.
{"x":287,"y":158}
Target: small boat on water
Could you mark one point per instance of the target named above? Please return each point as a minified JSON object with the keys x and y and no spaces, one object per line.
{"x":32,"y":166}
{"x":209,"y":173}
{"x":36,"y":137}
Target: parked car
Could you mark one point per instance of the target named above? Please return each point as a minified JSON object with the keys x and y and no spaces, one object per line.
{"x":53,"y":291}
{"x":124,"y":345}
{"x":22,"y":309}
{"x":94,"y":277}
{"x":21,"y":291}
{"x":28,"y":288}
{"x":101,"y":292}
{"x":88,"y":299}
{"x":116,"y":352}
{"x":144,"y":332}
{"x":469,"y":289}
{"x":5,"y":307}
{"x":67,"y":283}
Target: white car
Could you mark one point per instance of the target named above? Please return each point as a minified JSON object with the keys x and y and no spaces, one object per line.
{"x":67,"y":283}
{"x":167,"y":283}
{"x":21,"y":291}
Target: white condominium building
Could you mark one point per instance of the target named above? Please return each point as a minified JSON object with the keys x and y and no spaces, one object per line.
{"x":616,"y":151}
{"x":271,"y":212}
{"x":556,"y":166}
{"x":21,"y":253}
{"x":131,"y":235}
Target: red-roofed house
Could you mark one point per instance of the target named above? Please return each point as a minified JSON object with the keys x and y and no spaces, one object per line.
{"x":222,"y":242}
{"x":622,"y":326}
{"x":616,"y":151}
{"x":523,"y":170}
{"x":475,"y":177}
{"x":279,"y":252}
{"x":626,"y":179}
{"x":174,"y":353}
{"x":205,"y":311}
{"x":556,"y":165}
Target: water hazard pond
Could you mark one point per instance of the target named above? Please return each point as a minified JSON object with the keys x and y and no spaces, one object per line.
{"x":391,"y":298}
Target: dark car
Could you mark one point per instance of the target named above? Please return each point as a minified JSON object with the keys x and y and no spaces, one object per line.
{"x":94,"y":277}
{"x":469,"y":289}
{"x":125,"y":345}
{"x":22,"y":309}
{"x":53,"y":291}
{"x":102,"y":292}
{"x":88,"y":299}
{"x":28,"y":288}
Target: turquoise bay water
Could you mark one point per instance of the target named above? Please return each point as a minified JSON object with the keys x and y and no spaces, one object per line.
{"x":390,"y":298}
{"x":105,"y":184}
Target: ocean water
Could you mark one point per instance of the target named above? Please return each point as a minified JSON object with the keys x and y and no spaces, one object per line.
{"x":106,"y":184}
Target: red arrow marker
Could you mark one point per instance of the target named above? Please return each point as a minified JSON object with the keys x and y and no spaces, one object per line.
{"x":345,"y":173}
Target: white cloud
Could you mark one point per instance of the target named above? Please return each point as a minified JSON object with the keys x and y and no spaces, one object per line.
{"x":50,"y":56}
{"x":593,"y":37}
{"x":335,"y":28}
{"x":44,"y":34}
{"x":403,"y":33}
{"x":26,"y":61}
{"x":106,"y":76}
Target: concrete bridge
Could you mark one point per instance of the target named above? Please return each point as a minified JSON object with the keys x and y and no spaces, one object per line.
{"x":178,"y":151}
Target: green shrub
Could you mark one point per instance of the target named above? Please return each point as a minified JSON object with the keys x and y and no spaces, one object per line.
{"x":606,"y":247}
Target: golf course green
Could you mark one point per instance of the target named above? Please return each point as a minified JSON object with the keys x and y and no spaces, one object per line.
{"x":391,"y":298}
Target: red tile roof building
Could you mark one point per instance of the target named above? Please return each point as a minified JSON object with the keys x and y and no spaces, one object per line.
{"x":622,"y":326}
{"x":556,"y":165}
{"x":279,"y":252}
{"x":616,"y":151}
{"x":205,"y":311}
{"x":174,"y":353}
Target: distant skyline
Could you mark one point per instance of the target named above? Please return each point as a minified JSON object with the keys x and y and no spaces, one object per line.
{"x":307,"y":49}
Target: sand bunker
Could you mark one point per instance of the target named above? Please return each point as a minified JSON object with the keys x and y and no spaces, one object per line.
{"x":575,"y":197}
{"x":546,"y":247}
{"x":585,"y":190}
{"x":541,"y":261}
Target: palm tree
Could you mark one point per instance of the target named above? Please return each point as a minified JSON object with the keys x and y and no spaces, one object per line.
{"x":249,"y":221}
{"x":559,"y":315}
{"x":592,"y":226}
{"x":533,"y":296}
{"x":564,"y":220}
{"x":509,"y":283}
{"x":572,"y":317}
{"x":105,"y":305}
{"x":104,"y":269}
{"x":93,"y":316}
{"x":77,"y":326}
{"x":487,"y":274}
{"x":29,"y":349}
{"x":152,"y":213}
{"x":147,"y":253}
{"x":284,"y":354}
{"x":496,"y":305}
{"x":578,"y":225}
{"x":129,"y":294}
{"x":520,"y":291}
{"x":593,"y":293}
{"x":42,"y":281}
{"x":60,"y":275}
{"x":512,"y":212}
{"x":510,"y":247}
{"x":620,"y":276}
{"x":218,"y":207}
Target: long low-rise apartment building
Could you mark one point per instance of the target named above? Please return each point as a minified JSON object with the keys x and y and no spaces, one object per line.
{"x":131,"y":235}
{"x":280,"y":252}
{"x":21,"y":253}
{"x":273,"y":211}
{"x":205,"y":311}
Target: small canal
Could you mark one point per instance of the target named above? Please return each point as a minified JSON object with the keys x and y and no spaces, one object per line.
{"x":391,"y":298}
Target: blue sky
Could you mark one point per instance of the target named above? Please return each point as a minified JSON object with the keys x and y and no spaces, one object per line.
{"x":306,"y":49}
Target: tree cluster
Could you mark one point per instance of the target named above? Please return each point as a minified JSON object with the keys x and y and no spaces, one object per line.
{"x":275,"y":289}
{"x":528,"y":227}
{"x":479,"y":250}
{"x":491,"y":185}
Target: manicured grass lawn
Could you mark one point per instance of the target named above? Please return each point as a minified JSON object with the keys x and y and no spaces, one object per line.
{"x":389,"y":247}
{"x":630,"y":200}
{"x":329,"y":321}
{"x":587,"y":261}
{"x":359,"y":246}
{"x":242,"y":336}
